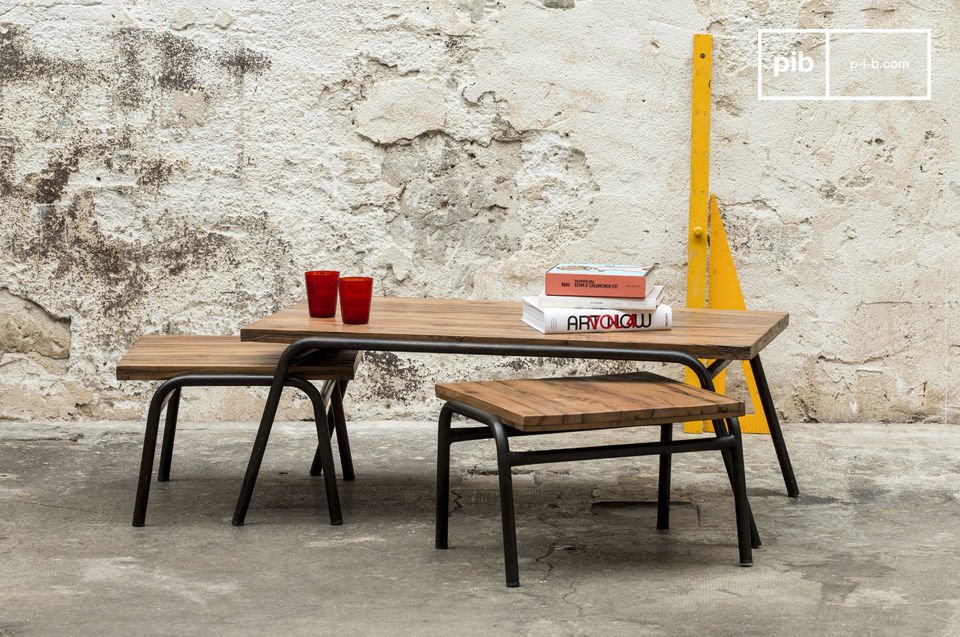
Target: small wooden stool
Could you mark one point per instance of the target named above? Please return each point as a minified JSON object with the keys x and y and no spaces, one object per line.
{"x":225,"y":361}
{"x":552,"y":405}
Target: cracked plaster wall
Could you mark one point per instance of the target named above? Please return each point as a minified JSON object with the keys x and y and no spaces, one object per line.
{"x":174,"y":168}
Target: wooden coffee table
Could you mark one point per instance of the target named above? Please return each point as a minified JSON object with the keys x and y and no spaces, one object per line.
{"x":458,"y":326}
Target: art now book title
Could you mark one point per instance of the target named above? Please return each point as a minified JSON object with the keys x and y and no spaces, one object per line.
{"x":598,"y":298}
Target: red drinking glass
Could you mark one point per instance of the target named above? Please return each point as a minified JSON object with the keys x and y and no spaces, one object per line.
{"x":356,"y":293}
{"x":322,"y":292}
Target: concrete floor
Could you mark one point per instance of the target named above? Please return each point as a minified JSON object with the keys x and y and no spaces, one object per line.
{"x":870,"y":548}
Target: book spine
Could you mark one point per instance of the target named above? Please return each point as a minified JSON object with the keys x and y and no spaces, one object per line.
{"x":566,"y":284}
{"x":559,"y":320}
{"x":598,"y":303}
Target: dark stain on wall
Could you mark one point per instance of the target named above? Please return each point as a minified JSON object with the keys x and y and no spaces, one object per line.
{"x":117,"y":275}
{"x":48,"y":185}
{"x":51,"y":182}
{"x":69,"y":239}
{"x":8,"y":149}
{"x":148,"y":61}
{"x":179,"y":58}
{"x":155,"y":171}
{"x":21,"y":62}
{"x":242,"y":61}
{"x":132,"y":82}
{"x":403,"y":379}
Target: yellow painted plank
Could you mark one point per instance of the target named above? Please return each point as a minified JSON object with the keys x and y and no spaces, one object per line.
{"x":699,"y":171}
{"x":699,"y":184}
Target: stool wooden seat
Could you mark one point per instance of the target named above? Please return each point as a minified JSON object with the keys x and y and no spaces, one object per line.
{"x":598,"y":402}
{"x":554,"y":405}
{"x":198,"y":361}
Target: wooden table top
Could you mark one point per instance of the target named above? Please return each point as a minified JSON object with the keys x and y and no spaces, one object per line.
{"x":726,"y":334}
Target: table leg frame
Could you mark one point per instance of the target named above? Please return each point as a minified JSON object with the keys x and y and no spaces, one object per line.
{"x":308,"y":344}
{"x":770,"y":415}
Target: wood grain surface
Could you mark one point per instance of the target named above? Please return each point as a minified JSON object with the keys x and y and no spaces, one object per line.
{"x":592,"y":402}
{"x":165,"y":356}
{"x":727,"y":334}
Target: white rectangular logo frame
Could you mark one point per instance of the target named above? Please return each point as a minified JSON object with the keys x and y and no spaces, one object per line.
{"x":826,"y":97}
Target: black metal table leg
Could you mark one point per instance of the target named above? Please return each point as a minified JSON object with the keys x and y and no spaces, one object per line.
{"x":316,"y":467}
{"x":337,"y":424}
{"x":741,"y":504}
{"x":443,"y":478}
{"x":260,"y":444}
{"x":773,"y":422}
{"x":340,"y":426}
{"x":663,"y":482}
{"x":326,"y":454}
{"x":169,"y":435}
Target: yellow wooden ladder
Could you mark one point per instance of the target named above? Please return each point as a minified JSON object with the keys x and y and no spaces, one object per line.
{"x":711,"y":275}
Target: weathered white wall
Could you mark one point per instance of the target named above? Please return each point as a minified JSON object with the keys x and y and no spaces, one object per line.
{"x":174,"y":167}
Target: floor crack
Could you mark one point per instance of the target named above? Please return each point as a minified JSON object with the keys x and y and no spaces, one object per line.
{"x":566,"y":600}
{"x":54,"y":506}
{"x":457,"y":502}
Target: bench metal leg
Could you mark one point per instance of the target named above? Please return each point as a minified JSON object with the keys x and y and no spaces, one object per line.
{"x":663,"y":485}
{"x":172,"y":388}
{"x":773,"y":422}
{"x":169,"y":434}
{"x":149,"y":448}
{"x":443,"y":478}
{"x":507,"y":516}
{"x":721,"y":427}
{"x":741,"y":504}
{"x":508,"y":520}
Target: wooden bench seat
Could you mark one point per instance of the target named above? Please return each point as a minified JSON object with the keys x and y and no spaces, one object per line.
{"x":555,"y":405}
{"x":200,"y":361}
{"x":160,"y":357}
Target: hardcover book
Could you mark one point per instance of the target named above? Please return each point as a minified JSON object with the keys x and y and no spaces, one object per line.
{"x":624,"y":281}
{"x":557,"y":320}
{"x":647,"y":304}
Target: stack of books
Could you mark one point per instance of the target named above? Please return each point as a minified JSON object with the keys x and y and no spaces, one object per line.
{"x":598,"y":298}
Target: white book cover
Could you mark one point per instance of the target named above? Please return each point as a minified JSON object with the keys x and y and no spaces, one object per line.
{"x":647,"y":304}
{"x":579,"y":320}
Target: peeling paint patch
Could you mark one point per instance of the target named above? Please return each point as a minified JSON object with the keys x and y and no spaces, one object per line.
{"x":28,"y":328}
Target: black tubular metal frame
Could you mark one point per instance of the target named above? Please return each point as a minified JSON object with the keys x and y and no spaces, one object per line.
{"x":327,"y":410}
{"x":727,"y":440}
{"x":304,"y":347}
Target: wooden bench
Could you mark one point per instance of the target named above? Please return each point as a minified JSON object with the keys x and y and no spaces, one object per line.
{"x":208,"y":361}
{"x":542,"y":406}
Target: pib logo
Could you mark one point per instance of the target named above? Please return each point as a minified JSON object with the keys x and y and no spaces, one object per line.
{"x":796,"y":62}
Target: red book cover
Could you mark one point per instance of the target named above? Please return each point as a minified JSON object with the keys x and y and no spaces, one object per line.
{"x":620,"y":281}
